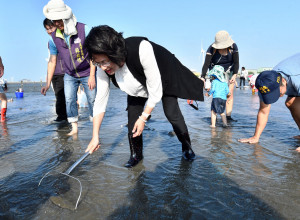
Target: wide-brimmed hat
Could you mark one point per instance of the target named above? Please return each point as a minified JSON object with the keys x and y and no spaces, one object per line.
{"x":222,"y":40}
{"x":56,"y":10}
{"x":268,"y":85}
{"x":218,"y":72}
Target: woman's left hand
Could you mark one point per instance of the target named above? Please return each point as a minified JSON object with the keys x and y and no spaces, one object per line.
{"x":92,"y":82}
{"x":138,"y":128}
{"x":232,"y":80}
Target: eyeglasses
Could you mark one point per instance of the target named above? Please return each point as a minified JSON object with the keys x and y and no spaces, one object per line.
{"x":104,"y":63}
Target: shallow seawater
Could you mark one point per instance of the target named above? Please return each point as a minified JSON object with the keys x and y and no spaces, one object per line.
{"x":228,"y":179}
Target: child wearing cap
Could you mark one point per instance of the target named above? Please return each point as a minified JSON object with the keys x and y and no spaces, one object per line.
{"x":220,"y":91}
{"x":284,"y":79}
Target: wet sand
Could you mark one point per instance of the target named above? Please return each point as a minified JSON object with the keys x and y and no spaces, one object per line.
{"x":228,"y":179}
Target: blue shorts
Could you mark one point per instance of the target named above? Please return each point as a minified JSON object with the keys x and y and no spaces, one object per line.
{"x":218,"y":105}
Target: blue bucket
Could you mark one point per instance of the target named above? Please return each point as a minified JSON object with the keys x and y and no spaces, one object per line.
{"x":19,"y":94}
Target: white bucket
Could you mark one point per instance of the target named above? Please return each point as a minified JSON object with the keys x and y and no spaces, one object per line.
{"x":207,"y":84}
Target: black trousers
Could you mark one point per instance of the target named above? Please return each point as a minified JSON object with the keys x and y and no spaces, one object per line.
{"x":58,"y":86}
{"x":242,"y":79}
{"x":171,"y":110}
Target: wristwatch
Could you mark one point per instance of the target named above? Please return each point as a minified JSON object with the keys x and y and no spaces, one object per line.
{"x":148,"y":116}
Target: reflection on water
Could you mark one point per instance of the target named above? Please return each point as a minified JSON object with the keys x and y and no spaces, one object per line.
{"x":227,"y":180}
{"x":4,"y":130}
{"x":182,"y":190}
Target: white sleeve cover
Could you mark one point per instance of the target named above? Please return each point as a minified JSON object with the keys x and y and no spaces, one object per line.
{"x":152,"y":73}
{"x":103,"y":88}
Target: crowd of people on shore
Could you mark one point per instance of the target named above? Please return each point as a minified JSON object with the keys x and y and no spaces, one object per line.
{"x":148,"y":73}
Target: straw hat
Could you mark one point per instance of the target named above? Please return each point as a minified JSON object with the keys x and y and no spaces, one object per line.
{"x":56,"y":10}
{"x":218,"y":72}
{"x":222,"y":40}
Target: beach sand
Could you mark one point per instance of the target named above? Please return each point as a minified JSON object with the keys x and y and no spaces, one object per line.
{"x":228,"y":179}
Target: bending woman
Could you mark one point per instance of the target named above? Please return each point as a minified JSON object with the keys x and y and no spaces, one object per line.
{"x":147,"y":72}
{"x":223,"y":52}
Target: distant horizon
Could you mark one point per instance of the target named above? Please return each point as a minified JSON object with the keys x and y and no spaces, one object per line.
{"x":43,"y":81}
{"x":25,"y":81}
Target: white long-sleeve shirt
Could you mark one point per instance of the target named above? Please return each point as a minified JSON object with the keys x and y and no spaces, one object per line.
{"x":244,"y":73}
{"x":129,"y":84}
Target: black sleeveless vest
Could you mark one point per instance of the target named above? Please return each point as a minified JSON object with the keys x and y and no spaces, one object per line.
{"x":177,"y":80}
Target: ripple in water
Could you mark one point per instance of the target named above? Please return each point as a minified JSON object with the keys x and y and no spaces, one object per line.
{"x":228,"y":179}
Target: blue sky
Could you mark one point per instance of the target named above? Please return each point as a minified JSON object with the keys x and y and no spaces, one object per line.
{"x":265,"y":31}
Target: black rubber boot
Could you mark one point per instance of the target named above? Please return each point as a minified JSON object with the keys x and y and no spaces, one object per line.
{"x":187,"y":151}
{"x":229,"y":118}
{"x":136,"y":150}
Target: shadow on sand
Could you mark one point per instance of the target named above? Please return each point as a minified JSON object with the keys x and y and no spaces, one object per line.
{"x":178,"y":189}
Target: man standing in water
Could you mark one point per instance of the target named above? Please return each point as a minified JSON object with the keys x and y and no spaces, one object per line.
{"x":283,"y":79}
{"x":243,"y":77}
{"x":68,"y":40}
{"x":58,"y":79}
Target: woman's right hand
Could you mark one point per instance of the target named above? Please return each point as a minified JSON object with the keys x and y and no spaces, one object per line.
{"x":44,"y":90}
{"x":93,"y":145}
{"x":233,"y":78}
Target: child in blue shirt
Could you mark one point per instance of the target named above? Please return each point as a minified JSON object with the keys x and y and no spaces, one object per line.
{"x":220,"y":91}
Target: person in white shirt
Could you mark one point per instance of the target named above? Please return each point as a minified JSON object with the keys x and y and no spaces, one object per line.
{"x":147,"y":72}
{"x":243,"y":77}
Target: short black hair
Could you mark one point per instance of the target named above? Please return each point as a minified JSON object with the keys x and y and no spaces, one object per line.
{"x":105,"y":40}
{"x":47,"y":22}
